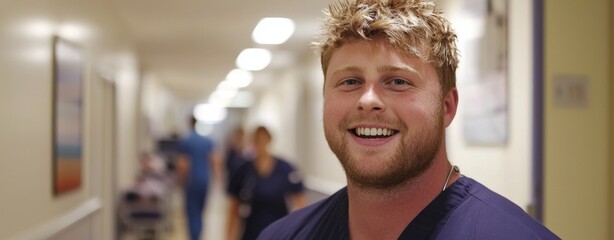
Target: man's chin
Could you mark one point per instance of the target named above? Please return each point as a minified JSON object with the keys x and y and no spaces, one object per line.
{"x":376,"y":181}
{"x":370,"y":174}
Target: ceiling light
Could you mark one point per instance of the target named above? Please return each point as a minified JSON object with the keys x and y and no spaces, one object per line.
{"x":253,"y":59}
{"x":38,"y":28}
{"x":273,"y":30}
{"x":75,"y":32}
{"x":209,"y":113}
{"x":244,"y":99}
{"x":222,"y":96}
{"x":239,"y":78}
{"x":225,"y":93}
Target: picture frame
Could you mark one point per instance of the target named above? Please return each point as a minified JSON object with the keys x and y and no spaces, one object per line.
{"x":67,"y":119}
{"x":486,"y":86}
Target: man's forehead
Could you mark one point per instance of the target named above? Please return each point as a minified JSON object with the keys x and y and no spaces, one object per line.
{"x":384,"y":56}
{"x":381,"y":44}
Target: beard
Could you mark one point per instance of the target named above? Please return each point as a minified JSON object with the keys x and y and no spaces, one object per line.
{"x":408,"y":161}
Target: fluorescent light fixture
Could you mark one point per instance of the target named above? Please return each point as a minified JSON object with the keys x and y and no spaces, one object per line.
{"x":209,"y":113}
{"x":225,"y":93}
{"x":273,"y":30}
{"x":225,"y":85}
{"x":38,"y":28}
{"x":222,"y":96}
{"x":244,"y":99}
{"x":254,"y":59}
{"x":75,"y":32}
{"x":238,"y":78}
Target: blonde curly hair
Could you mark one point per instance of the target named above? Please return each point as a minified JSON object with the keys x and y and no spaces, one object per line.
{"x":414,"y":27}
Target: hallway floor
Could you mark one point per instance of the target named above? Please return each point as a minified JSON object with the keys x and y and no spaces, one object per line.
{"x":215,"y":218}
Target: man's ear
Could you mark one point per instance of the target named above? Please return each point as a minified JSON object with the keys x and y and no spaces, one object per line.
{"x":450,"y":105}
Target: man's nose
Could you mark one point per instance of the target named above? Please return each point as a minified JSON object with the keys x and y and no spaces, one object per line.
{"x":370,"y":101}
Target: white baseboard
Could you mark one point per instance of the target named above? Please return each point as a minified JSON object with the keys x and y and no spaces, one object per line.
{"x":52,"y":228}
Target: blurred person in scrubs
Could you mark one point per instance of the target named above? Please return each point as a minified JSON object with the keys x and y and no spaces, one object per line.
{"x":197,"y":160}
{"x":260,"y":189}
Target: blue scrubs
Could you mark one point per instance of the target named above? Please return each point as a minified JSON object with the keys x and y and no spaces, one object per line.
{"x":465,"y":210}
{"x":265,"y":195}
{"x":198,"y":149}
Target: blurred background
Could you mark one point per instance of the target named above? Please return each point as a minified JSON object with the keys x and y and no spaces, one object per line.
{"x":535,"y":121}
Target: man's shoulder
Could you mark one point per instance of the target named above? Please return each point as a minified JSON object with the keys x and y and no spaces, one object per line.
{"x":294,"y":224}
{"x":303,"y":223}
{"x":491,"y":203}
{"x":486,"y":213}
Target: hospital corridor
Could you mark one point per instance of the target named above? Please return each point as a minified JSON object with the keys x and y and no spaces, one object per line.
{"x":104,"y":104}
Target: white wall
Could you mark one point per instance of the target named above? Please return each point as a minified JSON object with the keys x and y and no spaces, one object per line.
{"x":28,"y":208}
{"x":325,"y":173}
{"x":276,"y":109}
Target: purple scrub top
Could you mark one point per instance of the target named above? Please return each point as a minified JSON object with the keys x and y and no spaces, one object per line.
{"x":465,"y":210}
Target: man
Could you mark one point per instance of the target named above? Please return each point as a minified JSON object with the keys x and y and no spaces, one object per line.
{"x":389,"y":94}
{"x":196,"y":157}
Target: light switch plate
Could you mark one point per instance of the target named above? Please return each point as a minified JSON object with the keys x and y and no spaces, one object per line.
{"x":571,"y":91}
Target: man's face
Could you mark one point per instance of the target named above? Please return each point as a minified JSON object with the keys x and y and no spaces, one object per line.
{"x":383,"y":113}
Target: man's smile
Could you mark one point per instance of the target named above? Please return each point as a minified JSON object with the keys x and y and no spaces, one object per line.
{"x":372,"y":132}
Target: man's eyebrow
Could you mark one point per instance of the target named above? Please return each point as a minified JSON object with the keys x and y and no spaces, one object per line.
{"x":347,"y":69}
{"x":397,"y":68}
{"x":383,"y":68}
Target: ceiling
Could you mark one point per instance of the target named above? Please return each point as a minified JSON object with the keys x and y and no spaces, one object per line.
{"x":190,"y":45}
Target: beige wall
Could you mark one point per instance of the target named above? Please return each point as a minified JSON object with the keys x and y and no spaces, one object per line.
{"x":576,"y":144}
{"x":28,"y":208}
{"x":611,"y":200}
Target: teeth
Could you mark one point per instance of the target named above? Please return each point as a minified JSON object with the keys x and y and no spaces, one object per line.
{"x":373,"y":131}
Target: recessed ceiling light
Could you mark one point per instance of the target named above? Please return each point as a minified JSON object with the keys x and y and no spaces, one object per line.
{"x":244,"y":99}
{"x":209,"y":113}
{"x":73,"y":31}
{"x":238,"y":78}
{"x":273,"y":30}
{"x":254,"y":59}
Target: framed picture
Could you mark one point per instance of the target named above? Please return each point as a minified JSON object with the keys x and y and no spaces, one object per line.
{"x":67,"y":116}
{"x":485,"y":86}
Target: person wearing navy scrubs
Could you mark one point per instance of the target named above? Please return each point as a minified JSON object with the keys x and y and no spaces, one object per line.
{"x":235,"y":155}
{"x":259,"y":190}
{"x":196,"y":156}
{"x":389,"y":93}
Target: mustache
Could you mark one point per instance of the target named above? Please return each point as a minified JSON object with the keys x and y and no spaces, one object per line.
{"x":347,"y":122}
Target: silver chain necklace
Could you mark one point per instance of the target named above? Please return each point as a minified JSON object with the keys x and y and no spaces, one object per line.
{"x":453,"y":168}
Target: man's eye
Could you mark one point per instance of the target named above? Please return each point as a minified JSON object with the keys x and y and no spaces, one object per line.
{"x":399,"y":81}
{"x":349,"y":82}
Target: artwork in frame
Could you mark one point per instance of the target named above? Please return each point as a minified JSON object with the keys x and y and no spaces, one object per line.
{"x":68,"y":65}
{"x":485,"y":85}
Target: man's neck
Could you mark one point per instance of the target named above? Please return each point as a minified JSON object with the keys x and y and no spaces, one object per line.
{"x":384,"y":214}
